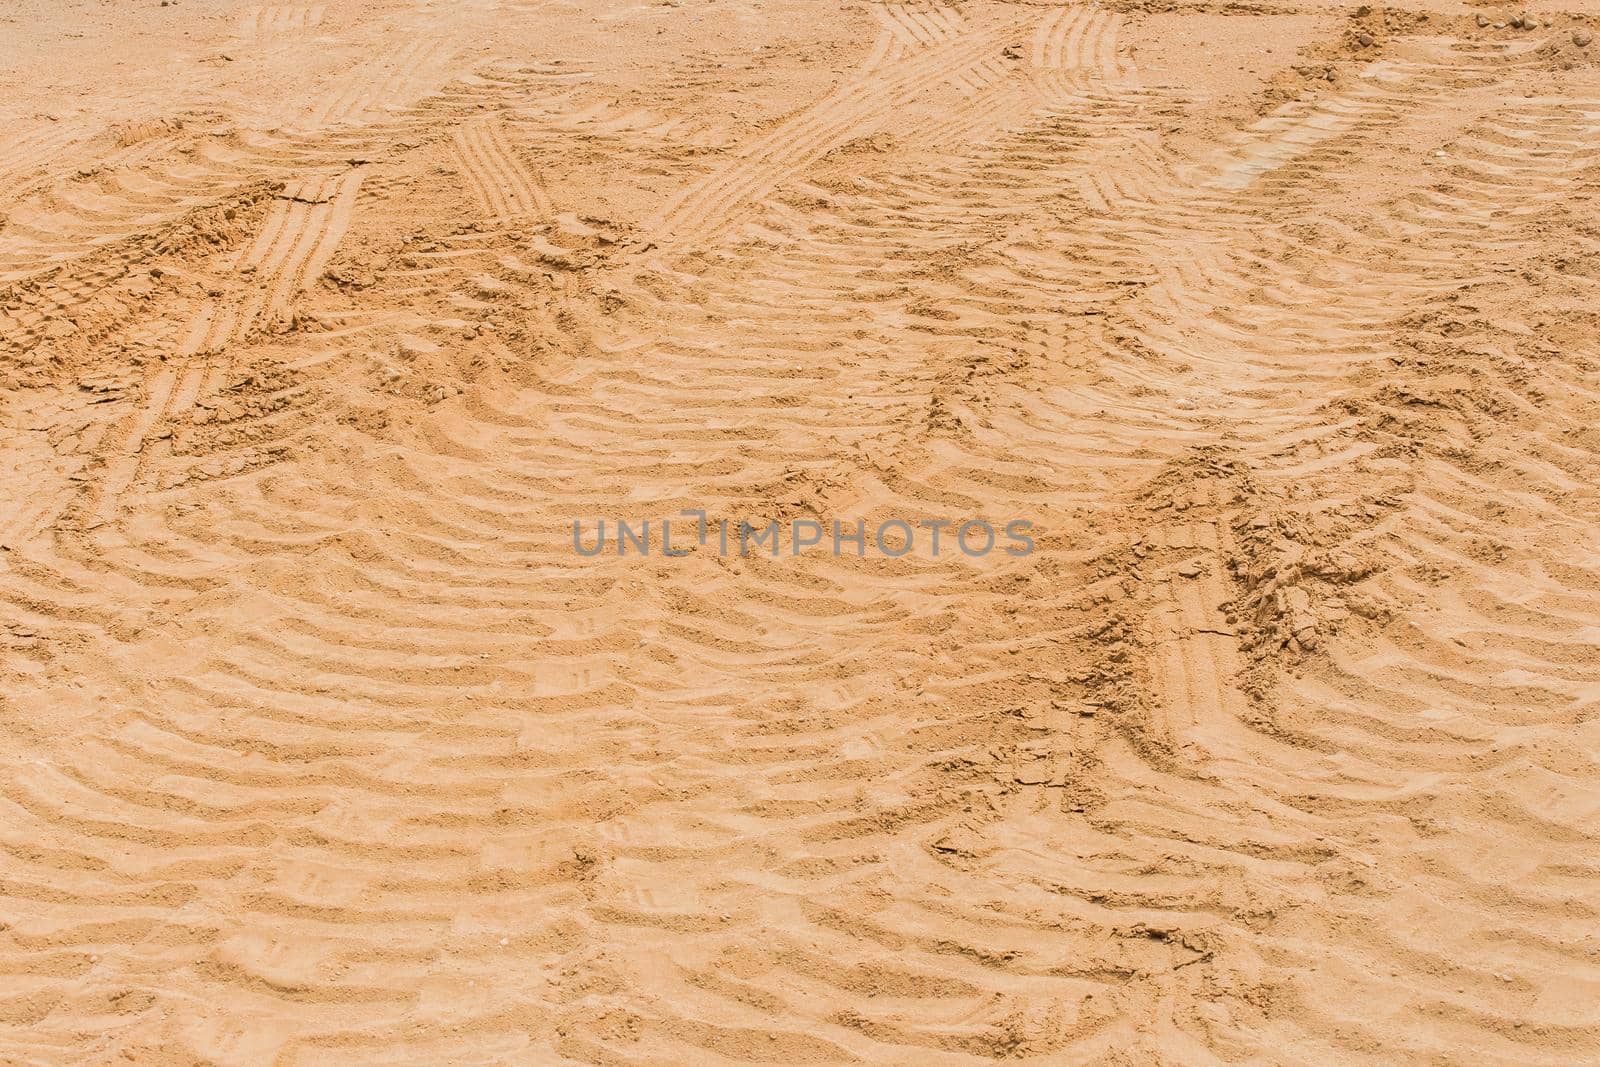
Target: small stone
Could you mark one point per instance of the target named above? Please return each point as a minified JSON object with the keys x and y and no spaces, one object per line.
{"x":1365,"y":40}
{"x":1363,"y":11}
{"x":1581,"y":39}
{"x":1483,"y":21}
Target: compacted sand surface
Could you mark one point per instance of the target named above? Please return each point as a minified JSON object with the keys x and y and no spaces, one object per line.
{"x":322,"y":743}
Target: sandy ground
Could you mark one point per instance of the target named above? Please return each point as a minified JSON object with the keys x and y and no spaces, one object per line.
{"x":321,"y":323}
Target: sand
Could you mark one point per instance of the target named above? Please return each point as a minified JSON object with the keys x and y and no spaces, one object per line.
{"x":322,"y":323}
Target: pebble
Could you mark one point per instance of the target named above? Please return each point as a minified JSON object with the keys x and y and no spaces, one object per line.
{"x":1365,"y":40}
{"x":1483,"y":21}
{"x":1581,"y":39}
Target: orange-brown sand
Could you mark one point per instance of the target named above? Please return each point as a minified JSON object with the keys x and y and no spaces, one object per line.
{"x":321,"y":324}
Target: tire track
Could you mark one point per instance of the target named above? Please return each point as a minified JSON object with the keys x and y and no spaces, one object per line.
{"x":28,"y":153}
{"x":299,"y":237}
{"x":496,"y":176}
{"x":701,"y":209}
{"x":921,"y":27}
{"x":383,"y":83}
{"x":276,"y":20}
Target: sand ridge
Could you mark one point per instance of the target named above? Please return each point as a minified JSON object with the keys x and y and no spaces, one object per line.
{"x":320,"y":325}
